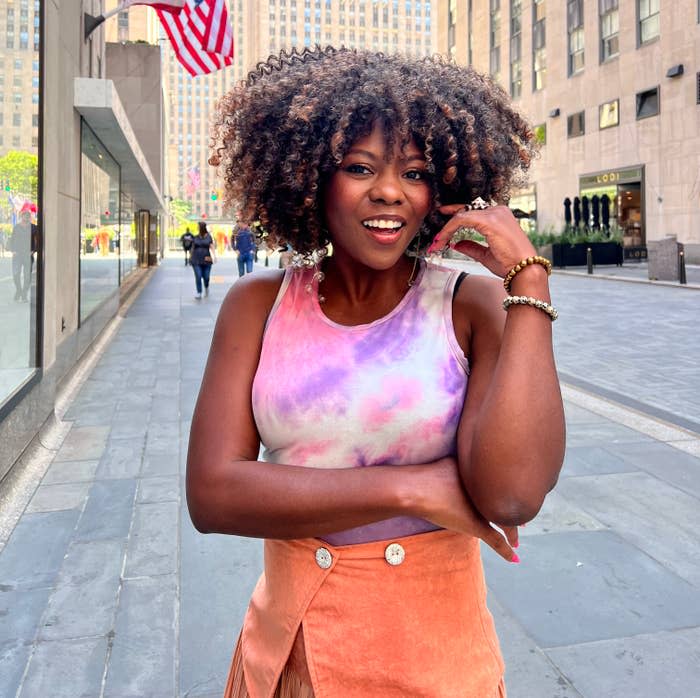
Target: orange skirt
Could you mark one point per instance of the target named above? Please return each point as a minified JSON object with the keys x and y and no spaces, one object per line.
{"x":390,"y":618}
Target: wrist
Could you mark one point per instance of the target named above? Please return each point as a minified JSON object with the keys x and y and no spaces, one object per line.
{"x":531,"y":281}
{"x":412,"y":492}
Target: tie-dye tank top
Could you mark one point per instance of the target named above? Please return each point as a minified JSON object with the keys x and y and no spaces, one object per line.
{"x":389,"y":392}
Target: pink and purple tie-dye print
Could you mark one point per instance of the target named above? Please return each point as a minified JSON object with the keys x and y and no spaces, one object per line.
{"x":388,"y":393}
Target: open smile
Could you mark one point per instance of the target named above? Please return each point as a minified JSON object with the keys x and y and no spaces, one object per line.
{"x":384,"y":230}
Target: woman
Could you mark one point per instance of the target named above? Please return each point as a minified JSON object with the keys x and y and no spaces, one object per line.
{"x":381,"y":471}
{"x":202,"y":256}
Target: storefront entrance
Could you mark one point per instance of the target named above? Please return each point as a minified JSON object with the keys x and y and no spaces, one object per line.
{"x":624,"y":190}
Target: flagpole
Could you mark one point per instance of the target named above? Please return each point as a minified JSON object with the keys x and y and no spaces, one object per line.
{"x":92,"y":22}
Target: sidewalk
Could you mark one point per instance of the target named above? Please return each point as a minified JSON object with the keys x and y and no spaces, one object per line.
{"x":635,"y":272}
{"x":107,"y":590}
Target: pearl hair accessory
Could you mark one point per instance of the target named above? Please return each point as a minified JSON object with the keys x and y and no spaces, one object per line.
{"x":311,"y":260}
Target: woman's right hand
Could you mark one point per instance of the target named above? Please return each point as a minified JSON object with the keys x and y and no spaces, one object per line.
{"x":446,"y":504}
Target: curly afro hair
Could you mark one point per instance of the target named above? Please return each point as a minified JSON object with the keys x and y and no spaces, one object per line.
{"x":279,"y":134}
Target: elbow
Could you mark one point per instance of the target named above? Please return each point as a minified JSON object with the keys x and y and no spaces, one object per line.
{"x":511,"y":510}
{"x":200,"y":509}
{"x":199,"y":518}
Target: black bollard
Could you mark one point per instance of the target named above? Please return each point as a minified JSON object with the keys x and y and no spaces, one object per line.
{"x":589,"y":259}
{"x":681,"y":267}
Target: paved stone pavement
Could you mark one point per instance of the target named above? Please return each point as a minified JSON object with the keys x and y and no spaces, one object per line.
{"x":107,"y":590}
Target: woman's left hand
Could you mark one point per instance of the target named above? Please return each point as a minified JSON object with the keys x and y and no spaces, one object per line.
{"x":507,"y":243}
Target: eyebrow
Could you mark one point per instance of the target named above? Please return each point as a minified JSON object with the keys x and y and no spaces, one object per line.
{"x":373,"y":156}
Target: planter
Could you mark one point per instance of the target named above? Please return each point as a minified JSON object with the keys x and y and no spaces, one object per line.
{"x":564,"y":255}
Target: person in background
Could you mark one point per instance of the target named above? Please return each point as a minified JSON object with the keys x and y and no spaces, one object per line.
{"x":221,"y":240}
{"x":23,"y":245}
{"x":202,"y":256}
{"x":245,"y":247}
{"x":186,"y":240}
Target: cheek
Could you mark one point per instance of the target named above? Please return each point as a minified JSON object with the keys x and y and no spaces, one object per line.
{"x":422,"y":202}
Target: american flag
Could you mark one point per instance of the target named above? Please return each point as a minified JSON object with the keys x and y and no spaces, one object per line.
{"x":199,"y":32}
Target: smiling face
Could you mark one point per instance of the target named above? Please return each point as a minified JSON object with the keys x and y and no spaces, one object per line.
{"x":374,"y":204}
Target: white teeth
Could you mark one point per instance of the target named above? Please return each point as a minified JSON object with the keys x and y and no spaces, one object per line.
{"x":391,"y":225}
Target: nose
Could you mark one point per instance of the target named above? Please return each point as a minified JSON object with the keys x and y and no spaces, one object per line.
{"x":387,"y":189}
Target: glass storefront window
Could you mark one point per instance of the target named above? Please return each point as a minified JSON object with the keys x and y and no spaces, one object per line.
{"x":623,"y":189}
{"x":99,"y":224}
{"x":20,"y":243}
{"x":127,"y":238}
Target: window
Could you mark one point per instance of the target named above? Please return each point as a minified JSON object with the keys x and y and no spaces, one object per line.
{"x":539,"y":40}
{"x":576,"y":124}
{"x":99,"y":228}
{"x":20,"y":186}
{"x":609,"y":114}
{"x":541,"y":134}
{"x":495,"y":39}
{"x":609,"y":28}
{"x":451,"y":26}
{"x":648,"y":12}
{"x":648,"y":103}
{"x":574,"y":22}
{"x":516,"y":74}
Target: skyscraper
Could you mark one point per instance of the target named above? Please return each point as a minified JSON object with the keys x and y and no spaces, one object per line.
{"x":261,"y":29}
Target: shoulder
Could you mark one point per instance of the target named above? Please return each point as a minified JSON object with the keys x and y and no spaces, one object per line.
{"x":478,"y":308}
{"x":252,"y":294}
{"x":481,"y":297}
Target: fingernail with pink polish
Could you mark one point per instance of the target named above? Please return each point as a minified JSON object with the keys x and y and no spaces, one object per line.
{"x":515,"y":558}
{"x":516,"y":544}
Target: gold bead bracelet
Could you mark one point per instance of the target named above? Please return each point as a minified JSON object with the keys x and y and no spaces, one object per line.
{"x":535,"y":259}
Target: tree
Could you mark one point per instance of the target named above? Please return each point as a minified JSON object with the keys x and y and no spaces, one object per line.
{"x":181,"y":210}
{"x":20,"y":171}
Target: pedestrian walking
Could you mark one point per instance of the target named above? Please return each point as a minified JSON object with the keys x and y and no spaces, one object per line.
{"x":202,"y":256}
{"x":186,"y":240}
{"x":245,"y":248}
{"x":406,"y":411}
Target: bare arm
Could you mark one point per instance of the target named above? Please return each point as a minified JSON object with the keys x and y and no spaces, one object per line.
{"x":511,"y":435}
{"x":230,"y":491}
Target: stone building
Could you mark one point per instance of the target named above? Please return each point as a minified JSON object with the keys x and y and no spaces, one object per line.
{"x":81,"y":198}
{"x":613,"y":91}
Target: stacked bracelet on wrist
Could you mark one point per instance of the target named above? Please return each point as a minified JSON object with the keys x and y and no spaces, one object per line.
{"x":536,"y":259}
{"x":550,"y":310}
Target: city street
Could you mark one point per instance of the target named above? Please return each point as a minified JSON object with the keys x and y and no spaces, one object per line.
{"x":107,"y":590}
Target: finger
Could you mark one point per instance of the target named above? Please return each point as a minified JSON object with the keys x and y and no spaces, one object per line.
{"x":511,"y":533}
{"x":480,"y":221}
{"x":449,"y":209}
{"x":472,"y":249}
{"x":447,"y":231}
{"x":497,"y":542}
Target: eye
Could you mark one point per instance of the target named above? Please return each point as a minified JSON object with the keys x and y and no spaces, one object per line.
{"x":357,"y":168}
{"x":417,"y":175}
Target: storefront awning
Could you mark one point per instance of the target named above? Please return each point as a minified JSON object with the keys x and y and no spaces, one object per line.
{"x":98,"y":103}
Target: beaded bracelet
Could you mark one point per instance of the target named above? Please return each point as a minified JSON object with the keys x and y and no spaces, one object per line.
{"x":536,"y":259}
{"x":534,"y":302}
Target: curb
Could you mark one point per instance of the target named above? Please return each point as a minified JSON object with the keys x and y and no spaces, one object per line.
{"x":627,"y":279}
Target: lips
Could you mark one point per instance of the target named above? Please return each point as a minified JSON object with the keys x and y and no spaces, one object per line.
{"x":386,"y":230}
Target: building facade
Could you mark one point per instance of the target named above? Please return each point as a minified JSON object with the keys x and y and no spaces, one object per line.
{"x":613,"y":91}
{"x":80,"y":202}
{"x":261,"y":29}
